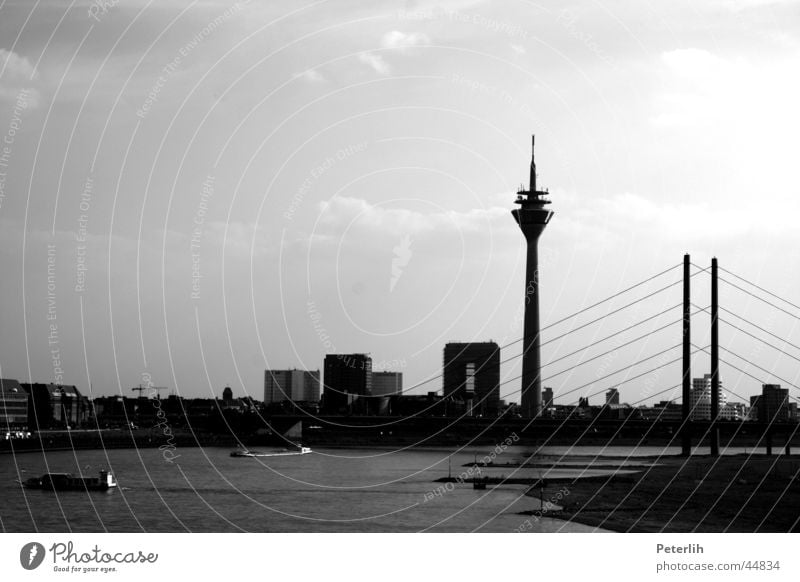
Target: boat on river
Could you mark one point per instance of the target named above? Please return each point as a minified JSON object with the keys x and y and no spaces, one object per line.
{"x":271,"y":453}
{"x":69,"y":482}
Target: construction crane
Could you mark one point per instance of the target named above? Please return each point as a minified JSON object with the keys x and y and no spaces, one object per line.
{"x":141,"y":389}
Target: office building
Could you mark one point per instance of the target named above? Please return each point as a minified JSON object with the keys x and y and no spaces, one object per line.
{"x":13,"y":405}
{"x":472,"y":375}
{"x":295,"y":385}
{"x":387,"y":383}
{"x":700,"y":403}
{"x":547,"y":397}
{"x":773,"y":405}
{"x":733,"y":411}
{"x":55,"y":406}
{"x":752,"y":414}
{"x":346,"y":378}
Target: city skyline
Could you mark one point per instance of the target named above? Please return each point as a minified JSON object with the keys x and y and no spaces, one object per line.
{"x":353,"y":230}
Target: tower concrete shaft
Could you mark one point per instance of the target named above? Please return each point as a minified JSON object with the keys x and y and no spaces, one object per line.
{"x":532,"y":217}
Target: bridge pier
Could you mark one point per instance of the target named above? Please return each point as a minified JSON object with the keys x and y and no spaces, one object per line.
{"x":768,"y":438}
{"x":686,"y":440}
{"x":788,"y":449}
{"x":714,"y":359}
{"x":686,"y":394}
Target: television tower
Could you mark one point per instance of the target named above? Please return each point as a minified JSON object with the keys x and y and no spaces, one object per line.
{"x":532,"y":216}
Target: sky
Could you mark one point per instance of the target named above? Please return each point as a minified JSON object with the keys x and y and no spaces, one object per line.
{"x":193,"y":192}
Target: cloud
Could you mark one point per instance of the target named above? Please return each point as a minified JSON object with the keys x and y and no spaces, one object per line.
{"x":17,"y":77}
{"x":238,"y":239}
{"x":396,"y":41}
{"x":518,"y":48}
{"x":701,"y":88}
{"x":691,"y":62}
{"x":402,"y":41}
{"x":14,"y":67}
{"x":735,"y":121}
{"x":311,"y":75}
{"x":694,"y":221}
{"x":739,"y":5}
{"x":376,"y":62}
{"x":341,"y":211}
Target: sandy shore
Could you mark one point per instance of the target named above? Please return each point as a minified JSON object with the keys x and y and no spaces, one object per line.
{"x":733,"y":493}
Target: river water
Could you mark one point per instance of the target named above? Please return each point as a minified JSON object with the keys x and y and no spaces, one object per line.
{"x":329,"y":490}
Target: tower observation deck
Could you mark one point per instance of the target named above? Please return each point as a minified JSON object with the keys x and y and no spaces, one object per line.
{"x":532,"y":216}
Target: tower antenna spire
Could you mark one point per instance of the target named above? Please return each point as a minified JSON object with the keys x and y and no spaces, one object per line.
{"x":533,"y":165}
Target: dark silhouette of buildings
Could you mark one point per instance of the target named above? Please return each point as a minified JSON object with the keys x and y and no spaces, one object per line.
{"x":177,"y":412}
{"x":55,"y":406}
{"x":387,"y":383}
{"x":472,"y":375}
{"x":13,"y":405}
{"x":416,"y":405}
{"x":115,"y":411}
{"x":227,"y":394}
{"x":547,"y":398}
{"x":665,"y":410}
{"x":346,"y":377}
{"x":612,"y":397}
{"x":532,"y":217}
{"x":772,"y":405}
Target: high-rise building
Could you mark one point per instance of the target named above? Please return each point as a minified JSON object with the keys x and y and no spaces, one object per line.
{"x":773,"y":406}
{"x":612,"y":397}
{"x":13,"y":405}
{"x":294,"y":385}
{"x":547,"y":397}
{"x":387,"y":383}
{"x":347,"y":376}
{"x":277,"y":386}
{"x":700,"y":404}
{"x":532,"y":216}
{"x":752,"y":414}
{"x":472,"y":375}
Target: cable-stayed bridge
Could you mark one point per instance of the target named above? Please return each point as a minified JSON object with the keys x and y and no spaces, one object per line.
{"x":620,"y":359}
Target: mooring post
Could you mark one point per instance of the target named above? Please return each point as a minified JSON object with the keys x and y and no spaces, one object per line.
{"x":714,"y":359}
{"x":686,"y":438}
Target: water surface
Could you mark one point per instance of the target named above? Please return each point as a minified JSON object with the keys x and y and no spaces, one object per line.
{"x":330,"y":490}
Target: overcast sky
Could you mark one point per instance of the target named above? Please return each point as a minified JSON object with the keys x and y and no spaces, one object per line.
{"x":197,"y":191}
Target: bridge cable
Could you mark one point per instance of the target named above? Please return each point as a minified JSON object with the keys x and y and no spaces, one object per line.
{"x":744,"y":331}
{"x":768,"y":292}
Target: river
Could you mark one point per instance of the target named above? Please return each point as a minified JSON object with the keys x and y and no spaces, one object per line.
{"x":329,"y":490}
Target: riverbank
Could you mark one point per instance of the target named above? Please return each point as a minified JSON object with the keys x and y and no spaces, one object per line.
{"x":737,"y":493}
{"x":114,"y":439}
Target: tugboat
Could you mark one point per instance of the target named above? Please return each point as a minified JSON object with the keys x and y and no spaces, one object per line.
{"x":68,"y":482}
